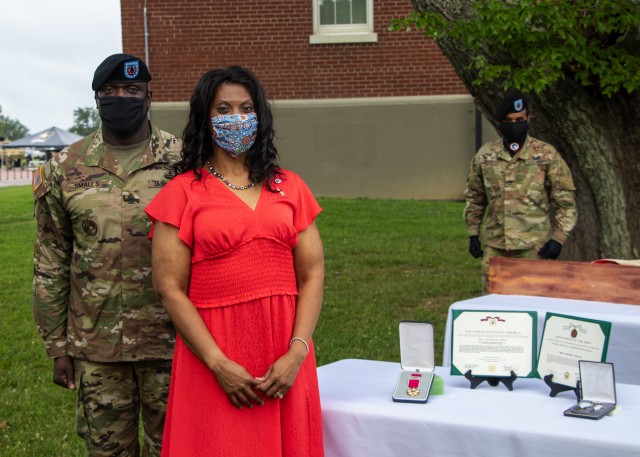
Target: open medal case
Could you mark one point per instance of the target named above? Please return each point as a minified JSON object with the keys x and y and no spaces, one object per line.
{"x":597,"y":390}
{"x":417,"y":360}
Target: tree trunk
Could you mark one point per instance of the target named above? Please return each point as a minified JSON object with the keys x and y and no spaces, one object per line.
{"x":599,"y":137}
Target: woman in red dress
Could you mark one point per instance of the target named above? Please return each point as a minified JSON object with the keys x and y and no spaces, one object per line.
{"x":238,"y":263}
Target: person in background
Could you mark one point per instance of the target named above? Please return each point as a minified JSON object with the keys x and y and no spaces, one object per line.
{"x":520,"y":199}
{"x":93,"y":298}
{"x":239,"y":266}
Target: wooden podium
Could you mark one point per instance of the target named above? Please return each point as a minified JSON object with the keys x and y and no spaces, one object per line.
{"x":575,"y":280}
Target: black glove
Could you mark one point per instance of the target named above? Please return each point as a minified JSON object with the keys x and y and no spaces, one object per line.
{"x":551,"y":250}
{"x":474,"y":247}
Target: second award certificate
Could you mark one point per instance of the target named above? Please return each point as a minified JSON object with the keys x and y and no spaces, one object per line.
{"x":568,"y":339}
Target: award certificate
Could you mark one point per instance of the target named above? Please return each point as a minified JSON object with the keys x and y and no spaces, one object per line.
{"x":565,"y":341}
{"x":493,"y":343}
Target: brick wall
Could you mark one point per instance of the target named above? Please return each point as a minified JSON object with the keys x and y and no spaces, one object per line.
{"x":271,"y":37}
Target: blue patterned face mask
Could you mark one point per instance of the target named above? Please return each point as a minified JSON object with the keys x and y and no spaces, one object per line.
{"x":235,"y":133}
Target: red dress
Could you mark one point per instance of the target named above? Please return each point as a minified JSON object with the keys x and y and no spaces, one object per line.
{"x":243,"y":284}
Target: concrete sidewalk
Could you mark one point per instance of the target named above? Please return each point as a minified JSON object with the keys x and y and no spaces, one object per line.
{"x":15,"y":177}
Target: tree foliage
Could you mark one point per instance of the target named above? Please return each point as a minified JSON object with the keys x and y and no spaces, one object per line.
{"x":539,"y":42}
{"x":85,"y":121}
{"x":579,"y":62}
{"x":11,"y":129}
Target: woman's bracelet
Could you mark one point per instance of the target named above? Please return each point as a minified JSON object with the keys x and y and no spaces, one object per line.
{"x":302,"y":341}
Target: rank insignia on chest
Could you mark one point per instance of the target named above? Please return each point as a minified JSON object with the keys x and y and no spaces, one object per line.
{"x":89,"y":227}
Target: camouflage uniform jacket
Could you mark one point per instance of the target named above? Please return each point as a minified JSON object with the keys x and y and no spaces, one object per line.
{"x":92,"y":292}
{"x":528,"y":198}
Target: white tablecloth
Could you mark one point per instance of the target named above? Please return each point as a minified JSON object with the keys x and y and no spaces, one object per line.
{"x":624,"y":341}
{"x":360,"y":418}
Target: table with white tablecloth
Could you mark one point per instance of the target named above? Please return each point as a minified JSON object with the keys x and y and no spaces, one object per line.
{"x":361,"y":420}
{"x":624,"y":341}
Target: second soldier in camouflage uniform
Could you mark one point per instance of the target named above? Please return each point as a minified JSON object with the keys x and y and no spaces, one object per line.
{"x":520,"y":194}
{"x":94,"y":302}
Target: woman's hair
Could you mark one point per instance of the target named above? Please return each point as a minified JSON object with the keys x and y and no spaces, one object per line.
{"x":197,"y":145}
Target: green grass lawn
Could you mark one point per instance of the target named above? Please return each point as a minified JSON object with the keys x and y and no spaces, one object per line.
{"x":385,"y":261}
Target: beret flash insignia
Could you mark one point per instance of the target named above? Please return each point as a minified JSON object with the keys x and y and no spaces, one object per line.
{"x":131,"y":69}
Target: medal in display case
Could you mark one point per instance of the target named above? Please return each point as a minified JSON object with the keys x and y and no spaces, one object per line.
{"x":597,"y":387}
{"x":417,"y":359}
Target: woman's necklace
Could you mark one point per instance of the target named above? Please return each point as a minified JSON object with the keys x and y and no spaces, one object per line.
{"x":226,"y":181}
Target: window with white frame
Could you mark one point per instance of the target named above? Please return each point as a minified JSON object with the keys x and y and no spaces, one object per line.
{"x":342,"y":21}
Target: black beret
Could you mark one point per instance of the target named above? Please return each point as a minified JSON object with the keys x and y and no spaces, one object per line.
{"x":120,"y":68}
{"x":513,"y":102}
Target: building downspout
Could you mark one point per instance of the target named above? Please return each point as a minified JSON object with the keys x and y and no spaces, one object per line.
{"x":146,"y":42}
{"x":146,"y":34}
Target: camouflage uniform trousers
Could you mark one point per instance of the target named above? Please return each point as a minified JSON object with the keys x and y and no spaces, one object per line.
{"x":511,"y":254}
{"x":111,"y":397}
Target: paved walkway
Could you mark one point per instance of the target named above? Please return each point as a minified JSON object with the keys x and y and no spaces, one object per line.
{"x":15,"y":177}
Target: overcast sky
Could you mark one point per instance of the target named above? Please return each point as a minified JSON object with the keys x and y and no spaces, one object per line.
{"x":49,"y":51}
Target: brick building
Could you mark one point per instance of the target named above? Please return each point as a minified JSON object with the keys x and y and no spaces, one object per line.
{"x":319,"y":60}
{"x":272,"y":37}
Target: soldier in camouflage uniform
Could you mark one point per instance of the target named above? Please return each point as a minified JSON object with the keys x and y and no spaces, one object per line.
{"x":525,"y":188}
{"x":93,"y":299}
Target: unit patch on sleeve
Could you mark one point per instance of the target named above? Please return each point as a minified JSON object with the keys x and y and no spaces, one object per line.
{"x":37,"y":178}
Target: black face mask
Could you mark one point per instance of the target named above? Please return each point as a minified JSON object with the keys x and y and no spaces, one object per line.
{"x":514,"y":135}
{"x":122,"y":115}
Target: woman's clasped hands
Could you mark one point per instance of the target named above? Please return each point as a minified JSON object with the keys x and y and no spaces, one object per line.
{"x":242,"y":388}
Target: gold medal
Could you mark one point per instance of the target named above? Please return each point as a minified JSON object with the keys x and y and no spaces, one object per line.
{"x":413,"y":391}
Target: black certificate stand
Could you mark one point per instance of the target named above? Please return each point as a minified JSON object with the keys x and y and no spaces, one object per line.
{"x":557,"y":388}
{"x":492,"y":380}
